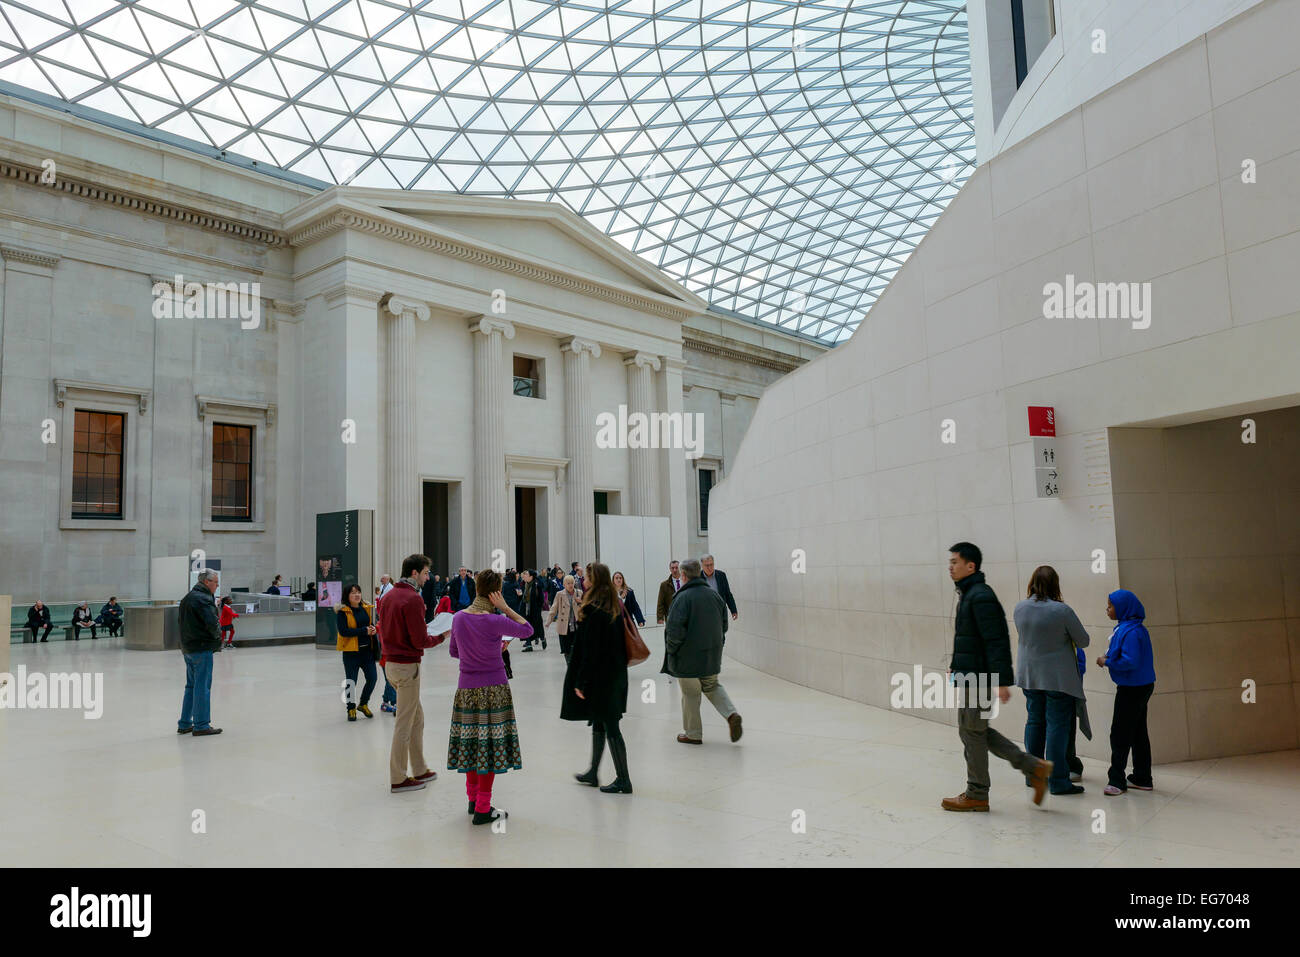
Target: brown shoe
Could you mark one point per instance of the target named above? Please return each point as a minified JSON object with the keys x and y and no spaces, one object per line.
{"x":963,"y":803}
{"x":1038,"y":779}
{"x":733,"y":722}
{"x":410,"y":784}
{"x":426,"y":776}
{"x":685,"y":740}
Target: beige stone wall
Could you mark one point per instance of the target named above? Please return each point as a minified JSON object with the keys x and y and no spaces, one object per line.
{"x":1208,"y":537}
{"x":844,"y":459}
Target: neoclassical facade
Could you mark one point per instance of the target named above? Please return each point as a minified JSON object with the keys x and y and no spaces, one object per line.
{"x":195,"y":356}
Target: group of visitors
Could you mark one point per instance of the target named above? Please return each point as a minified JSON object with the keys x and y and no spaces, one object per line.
{"x":110,"y":618}
{"x":595,"y":613}
{"x":1049,"y":670}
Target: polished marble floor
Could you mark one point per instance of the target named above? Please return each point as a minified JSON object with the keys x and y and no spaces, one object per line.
{"x":291,"y":782}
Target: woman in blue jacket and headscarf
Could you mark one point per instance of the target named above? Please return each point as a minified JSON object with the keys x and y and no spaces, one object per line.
{"x":1132,"y":668}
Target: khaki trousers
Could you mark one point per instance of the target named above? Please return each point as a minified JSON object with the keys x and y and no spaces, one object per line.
{"x":692,"y":688}
{"x":408,"y":727}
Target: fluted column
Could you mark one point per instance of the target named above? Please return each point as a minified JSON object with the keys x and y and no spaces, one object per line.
{"x":580,"y":443}
{"x":402,"y":531}
{"x":491,"y":515}
{"x":643,"y":463}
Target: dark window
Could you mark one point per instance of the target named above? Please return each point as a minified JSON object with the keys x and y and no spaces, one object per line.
{"x":232,"y":473}
{"x":602,"y":503}
{"x":706,"y":486}
{"x":97,"y":464}
{"x":527,"y":377}
{"x":1033,"y":24}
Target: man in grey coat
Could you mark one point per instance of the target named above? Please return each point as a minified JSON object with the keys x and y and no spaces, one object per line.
{"x":693,"y":639}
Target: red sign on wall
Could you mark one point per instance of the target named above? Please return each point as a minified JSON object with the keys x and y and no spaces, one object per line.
{"x":1042,"y":420}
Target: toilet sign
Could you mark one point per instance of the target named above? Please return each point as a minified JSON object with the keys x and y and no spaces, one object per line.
{"x":1042,"y":431}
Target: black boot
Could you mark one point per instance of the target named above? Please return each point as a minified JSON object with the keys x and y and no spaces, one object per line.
{"x":597,"y":752}
{"x":622,"y":784}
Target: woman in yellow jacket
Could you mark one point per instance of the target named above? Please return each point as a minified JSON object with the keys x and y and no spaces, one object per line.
{"x":360,"y":647}
{"x":564,"y":611}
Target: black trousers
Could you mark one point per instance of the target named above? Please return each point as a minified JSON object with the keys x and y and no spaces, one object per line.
{"x":1071,"y":756}
{"x":114,"y":626}
{"x":360,"y":661}
{"x":36,"y":628}
{"x":76,"y":631}
{"x":1128,"y":730}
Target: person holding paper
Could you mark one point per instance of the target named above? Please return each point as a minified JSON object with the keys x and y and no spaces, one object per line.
{"x":484,"y":738}
{"x":404,"y":638}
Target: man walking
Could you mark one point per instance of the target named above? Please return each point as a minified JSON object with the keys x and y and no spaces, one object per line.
{"x":693,"y":639}
{"x":718,"y":582}
{"x":200,"y":637}
{"x":981,"y":659}
{"x":668,"y":589}
{"x":403,"y":637}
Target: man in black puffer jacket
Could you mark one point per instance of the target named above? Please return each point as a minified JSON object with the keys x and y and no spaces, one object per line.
{"x":981,"y":661}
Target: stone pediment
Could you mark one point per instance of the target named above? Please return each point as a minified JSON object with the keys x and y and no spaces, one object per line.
{"x":548,"y":235}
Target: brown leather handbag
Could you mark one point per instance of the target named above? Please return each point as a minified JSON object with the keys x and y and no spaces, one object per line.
{"x":637,"y":651}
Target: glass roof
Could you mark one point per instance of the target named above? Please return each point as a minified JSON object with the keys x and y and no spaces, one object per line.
{"x":780,"y":158}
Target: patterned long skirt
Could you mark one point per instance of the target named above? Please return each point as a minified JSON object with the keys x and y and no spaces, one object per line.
{"x":484,"y":736}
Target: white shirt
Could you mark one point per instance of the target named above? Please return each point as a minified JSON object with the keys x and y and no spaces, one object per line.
{"x":385,"y":589}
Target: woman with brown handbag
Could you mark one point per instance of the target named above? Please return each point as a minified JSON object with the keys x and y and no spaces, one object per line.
{"x":595,"y":685}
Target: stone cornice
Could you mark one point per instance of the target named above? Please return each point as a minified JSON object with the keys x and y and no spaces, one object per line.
{"x":63,"y":386}
{"x":335,"y":221}
{"x":751,"y":354}
{"x":351,"y":291}
{"x":210,"y":403}
{"x":579,"y":346}
{"x":33,"y":257}
{"x":84,"y":188}
{"x":397,"y":305}
{"x":487,"y":325}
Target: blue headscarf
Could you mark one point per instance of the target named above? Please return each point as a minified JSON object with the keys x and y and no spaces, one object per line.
{"x":1129,"y":656}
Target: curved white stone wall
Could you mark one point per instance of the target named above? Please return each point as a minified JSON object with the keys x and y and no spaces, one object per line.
{"x":844,"y":458}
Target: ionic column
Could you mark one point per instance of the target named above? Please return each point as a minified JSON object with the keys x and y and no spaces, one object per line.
{"x":402,"y":512}
{"x":643,"y":463}
{"x":491,"y":386}
{"x":580,"y":442}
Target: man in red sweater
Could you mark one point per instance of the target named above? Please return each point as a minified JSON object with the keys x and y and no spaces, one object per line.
{"x":403,"y":637}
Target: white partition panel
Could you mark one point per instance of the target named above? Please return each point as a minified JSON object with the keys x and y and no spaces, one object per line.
{"x":638,"y":547}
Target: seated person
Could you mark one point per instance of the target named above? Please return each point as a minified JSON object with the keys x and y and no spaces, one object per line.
{"x":274,"y":587}
{"x":110,"y":616}
{"x":81,"y":618}
{"x":38,"y":617}
{"x":310,"y":593}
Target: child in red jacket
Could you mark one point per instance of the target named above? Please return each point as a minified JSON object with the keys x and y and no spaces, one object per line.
{"x":228,"y":616}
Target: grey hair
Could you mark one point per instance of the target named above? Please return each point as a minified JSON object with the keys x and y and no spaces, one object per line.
{"x":690,"y":568}
{"x":207,"y":574}
{"x":706,"y":558}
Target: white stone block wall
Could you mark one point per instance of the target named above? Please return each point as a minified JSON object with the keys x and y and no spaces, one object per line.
{"x":843,"y":458}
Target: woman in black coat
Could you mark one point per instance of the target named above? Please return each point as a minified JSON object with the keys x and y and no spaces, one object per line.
{"x":595,"y":684}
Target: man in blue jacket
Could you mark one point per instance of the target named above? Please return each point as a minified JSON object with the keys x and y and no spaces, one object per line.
{"x":981,"y":659}
{"x":1132,"y":668}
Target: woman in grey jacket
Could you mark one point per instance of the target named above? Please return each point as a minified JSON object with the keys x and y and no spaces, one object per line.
{"x":1047,"y":670}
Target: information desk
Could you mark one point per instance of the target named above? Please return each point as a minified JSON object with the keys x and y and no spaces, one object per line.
{"x":274,"y":620}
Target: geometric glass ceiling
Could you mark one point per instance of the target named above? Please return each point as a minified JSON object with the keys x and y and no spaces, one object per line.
{"x":779,"y":158}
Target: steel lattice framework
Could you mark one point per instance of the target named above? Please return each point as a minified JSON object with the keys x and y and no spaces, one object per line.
{"x":779,"y":158}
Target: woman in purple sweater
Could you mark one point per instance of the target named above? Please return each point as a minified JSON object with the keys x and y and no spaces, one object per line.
{"x":484,"y":737}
